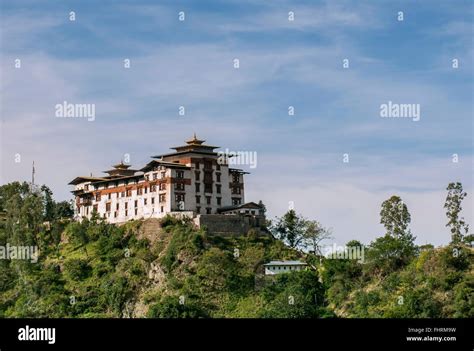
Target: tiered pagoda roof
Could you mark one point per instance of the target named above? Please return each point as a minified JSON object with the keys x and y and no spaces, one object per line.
{"x":121,"y":170}
{"x":193,"y":145}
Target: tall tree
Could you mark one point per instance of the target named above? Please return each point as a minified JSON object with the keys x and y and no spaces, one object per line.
{"x":396,"y":248}
{"x":290,"y":228}
{"x":313,"y":234}
{"x":49,"y":205}
{"x":453,"y":208}
{"x":395,"y":216}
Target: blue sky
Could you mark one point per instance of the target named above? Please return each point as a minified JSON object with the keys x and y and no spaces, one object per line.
{"x":190,"y":63}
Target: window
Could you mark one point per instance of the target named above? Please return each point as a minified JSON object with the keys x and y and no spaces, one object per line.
{"x":126,"y":213}
{"x":235,"y":178}
{"x":152,"y":200}
{"x":208,"y":210}
{"x":208,"y":200}
{"x":180,"y":174}
{"x":126,"y":205}
{"x":147,"y":177}
{"x":219,"y":200}
{"x":197,"y":175}
{"x":236,"y":190}
{"x":179,"y":186}
{"x":218,"y":167}
{"x":163,"y":175}
{"x":236,"y":201}
{"x":115,"y":214}
{"x":198,"y":209}
{"x":117,"y":207}
{"x":97,"y":197}
{"x":208,"y":188}
{"x":197,"y":165}
{"x":162,"y":209}
{"x":123,"y":193}
{"x":140,"y":191}
{"x":162,"y":186}
{"x":109,"y":196}
{"x":155,"y":176}
{"x":136,"y":211}
{"x":152,"y":188}
{"x":218,"y":188}
{"x":198,"y":199}
{"x":86,"y":187}
{"x":218,"y":177}
{"x":146,"y":190}
{"x":198,"y":187}
{"x":107,"y":206}
{"x":136,"y":203}
{"x":162,"y":198}
{"x":179,"y":197}
{"x":208,"y":177}
{"x":144,"y":201}
{"x":129,"y":192}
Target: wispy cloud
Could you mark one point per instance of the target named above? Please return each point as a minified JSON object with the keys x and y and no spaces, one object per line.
{"x":282,"y":63}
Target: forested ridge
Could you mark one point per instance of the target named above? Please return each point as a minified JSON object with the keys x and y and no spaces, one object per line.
{"x":92,"y":269}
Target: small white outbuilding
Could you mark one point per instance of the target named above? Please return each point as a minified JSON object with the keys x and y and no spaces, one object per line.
{"x":277,"y":267}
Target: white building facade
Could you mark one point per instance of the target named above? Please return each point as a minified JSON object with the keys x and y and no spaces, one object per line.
{"x":278,"y":267}
{"x":190,"y":181}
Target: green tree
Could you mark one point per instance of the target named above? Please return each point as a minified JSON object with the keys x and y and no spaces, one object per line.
{"x":49,"y":205}
{"x":290,"y":228}
{"x":453,"y":208}
{"x":397,"y":248}
{"x":394,"y":216}
{"x":387,"y":254}
{"x":63,"y":210}
{"x":313,"y":234}
{"x":295,"y":295}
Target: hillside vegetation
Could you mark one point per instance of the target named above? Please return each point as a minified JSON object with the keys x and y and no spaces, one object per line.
{"x":94,"y":269}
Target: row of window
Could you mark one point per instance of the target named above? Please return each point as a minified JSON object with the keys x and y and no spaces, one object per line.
{"x":208,"y":200}
{"x":179,"y":175}
{"x":208,"y":188}
{"x":142,"y":190}
{"x":108,"y":205}
{"x":208,"y":210}
{"x":126,"y":213}
{"x":279,"y":268}
{"x":179,"y":198}
{"x":207,"y":165}
{"x":154,"y":176}
{"x":207,"y":176}
{"x":116,"y":212}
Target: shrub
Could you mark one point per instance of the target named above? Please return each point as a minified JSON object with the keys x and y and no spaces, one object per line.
{"x":77,"y":269}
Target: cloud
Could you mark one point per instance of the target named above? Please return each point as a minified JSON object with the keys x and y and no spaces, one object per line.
{"x":281,"y":64}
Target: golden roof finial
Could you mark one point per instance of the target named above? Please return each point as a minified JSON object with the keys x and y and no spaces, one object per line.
{"x":194,"y":140}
